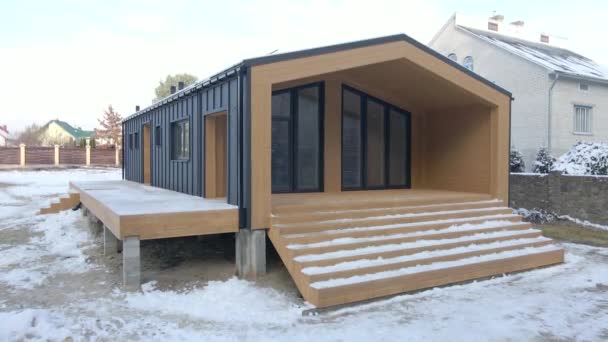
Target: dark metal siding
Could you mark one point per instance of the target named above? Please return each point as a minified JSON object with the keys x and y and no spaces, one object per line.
{"x":188,"y":176}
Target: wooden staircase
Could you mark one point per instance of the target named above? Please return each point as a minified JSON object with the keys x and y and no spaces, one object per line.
{"x":63,"y":203}
{"x":340,"y":252}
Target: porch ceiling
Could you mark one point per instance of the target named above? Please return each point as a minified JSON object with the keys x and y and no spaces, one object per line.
{"x":422,"y":89}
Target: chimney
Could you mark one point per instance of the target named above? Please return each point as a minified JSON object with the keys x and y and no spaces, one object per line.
{"x":172,"y":89}
{"x":180,"y":85}
{"x":137,"y":108}
{"x":544,"y":38}
{"x":518,"y":23}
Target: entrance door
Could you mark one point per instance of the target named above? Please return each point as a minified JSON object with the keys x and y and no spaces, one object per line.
{"x":146,"y":160}
{"x":297,"y":139}
{"x":375,"y":143}
{"x":215,"y":155}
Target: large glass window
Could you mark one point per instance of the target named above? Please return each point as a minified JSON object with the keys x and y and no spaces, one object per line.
{"x":375,"y":143}
{"x":180,"y":140}
{"x":297,"y":139}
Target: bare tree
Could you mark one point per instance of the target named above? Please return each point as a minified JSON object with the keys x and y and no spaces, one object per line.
{"x":30,"y":135}
{"x":111,"y":128}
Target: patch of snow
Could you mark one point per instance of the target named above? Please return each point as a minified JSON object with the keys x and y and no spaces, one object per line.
{"x":584,"y":223}
{"x":454,"y":228}
{"x":407,"y":245}
{"x":363,"y":263}
{"x":529,"y":174}
{"x":431,"y":267}
{"x":30,"y":324}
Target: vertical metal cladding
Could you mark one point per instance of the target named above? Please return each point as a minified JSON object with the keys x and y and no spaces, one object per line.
{"x":186,"y":176}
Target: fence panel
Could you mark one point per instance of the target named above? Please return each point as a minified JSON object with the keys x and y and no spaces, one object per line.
{"x":39,"y":155}
{"x":72,"y":155}
{"x":103,"y":156}
{"x":10,"y":156}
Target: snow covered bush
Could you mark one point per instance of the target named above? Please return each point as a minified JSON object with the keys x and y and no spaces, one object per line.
{"x":544,"y":161}
{"x":516,"y":161}
{"x":536,"y":216}
{"x":584,"y":158}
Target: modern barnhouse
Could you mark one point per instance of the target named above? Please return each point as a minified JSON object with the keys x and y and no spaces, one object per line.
{"x":374,"y":167}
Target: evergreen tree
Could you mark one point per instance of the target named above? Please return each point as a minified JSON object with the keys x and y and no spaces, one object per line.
{"x":111,"y":128}
{"x":516,"y":161}
{"x":544,"y":161}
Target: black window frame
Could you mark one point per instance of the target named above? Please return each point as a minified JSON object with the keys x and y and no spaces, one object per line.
{"x":293,"y":137}
{"x":136,"y":140}
{"x":131,"y":141}
{"x":158,"y":136}
{"x":363,"y":97}
{"x":171,"y":140}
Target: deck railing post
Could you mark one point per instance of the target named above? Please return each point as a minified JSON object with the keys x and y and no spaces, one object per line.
{"x":88,"y":148}
{"x":22,"y":154}
{"x":56,"y":155}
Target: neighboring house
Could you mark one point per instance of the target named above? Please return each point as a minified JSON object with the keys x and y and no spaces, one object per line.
{"x":353,"y":142}
{"x":57,"y":132}
{"x":4,"y":136}
{"x":560,"y":97}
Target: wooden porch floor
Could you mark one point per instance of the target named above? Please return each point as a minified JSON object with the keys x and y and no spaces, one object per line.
{"x":133,"y":209}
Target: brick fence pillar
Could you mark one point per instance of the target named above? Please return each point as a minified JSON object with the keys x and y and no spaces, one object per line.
{"x":88,"y":148}
{"x":117,"y":155}
{"x":56,"y":155}
{"x":22,"y":154}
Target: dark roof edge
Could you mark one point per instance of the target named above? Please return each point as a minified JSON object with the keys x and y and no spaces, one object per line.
{"x":315,"y":52}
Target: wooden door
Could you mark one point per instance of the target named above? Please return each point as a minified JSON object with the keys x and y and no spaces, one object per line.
{"x":216,"y":128}
{"x":146,"y":160}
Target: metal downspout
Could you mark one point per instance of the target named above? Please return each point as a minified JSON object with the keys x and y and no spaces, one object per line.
{"x":549,"y":109}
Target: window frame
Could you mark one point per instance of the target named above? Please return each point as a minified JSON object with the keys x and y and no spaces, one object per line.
{"x":158,"y":136}
{"x":470,"y":59}
{"x":292,"y":121}
{"x":136,"y":140}
{"x":584,"y":90}
{"x":174,"y":157}
{"x":363,"y":134}
{"x":130,"y":141}
{"x":589,"y":110}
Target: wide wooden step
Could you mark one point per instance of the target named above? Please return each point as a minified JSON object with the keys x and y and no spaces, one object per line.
{"x":366,"y":266}
{"x":389,"y":219}
{"x":326,"y":215}
{"x":357,"y":288}
{"x":313,"y":237}
{"x":343,"y":244}
{"x":63,"y":203}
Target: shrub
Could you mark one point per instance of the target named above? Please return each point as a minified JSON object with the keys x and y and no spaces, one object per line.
{"x":584,"y":158}
{"x":516,"y":161}
{"x":544,"y":161}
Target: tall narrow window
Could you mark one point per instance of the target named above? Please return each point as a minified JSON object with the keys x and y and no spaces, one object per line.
{"x":281,"y":142}
{"x":131,"y":141}
{"x":398,"y":148}
{"x":582,"y":120}
{"x":136,"y":139}
{"x":351,"y":140}
{"x":180,"y":140}
{"x":157,"y":136}
{"x":375,"y":169}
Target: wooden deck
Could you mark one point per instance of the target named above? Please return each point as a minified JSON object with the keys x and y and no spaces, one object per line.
{"x":353,"y":246}
{"x":133,"y":209}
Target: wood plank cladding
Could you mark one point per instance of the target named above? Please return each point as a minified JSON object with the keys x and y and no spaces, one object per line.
{"x":215,"y":155}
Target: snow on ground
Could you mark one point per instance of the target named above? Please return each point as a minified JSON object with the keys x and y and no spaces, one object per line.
{"x":62,"y":286}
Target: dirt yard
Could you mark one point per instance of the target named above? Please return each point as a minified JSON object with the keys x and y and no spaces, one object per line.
{"x":56,"y":284}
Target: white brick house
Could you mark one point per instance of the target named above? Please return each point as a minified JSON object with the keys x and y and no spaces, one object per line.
{"x":560,"y":97}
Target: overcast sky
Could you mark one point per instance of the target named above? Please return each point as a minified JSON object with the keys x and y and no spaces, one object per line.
{"x":69,"y":59}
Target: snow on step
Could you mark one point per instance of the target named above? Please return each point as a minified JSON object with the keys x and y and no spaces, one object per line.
{"x":409,"y":215}
{"x":363,"y":263}
{"x":405,"y":207}
{"x":403,"y":225}
{"x":431,"y":267}
{"x":454,"y":228}
{"x":408,"y":245}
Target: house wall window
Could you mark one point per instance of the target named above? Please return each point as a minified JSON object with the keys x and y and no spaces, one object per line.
{"x":583,"y":87}
{"x":453,"y":57}
{"x":157,"y":136}
{"x":180,"y":140}
{"x":131,"y":141}
{"x":136,"y":139}
{"x":582,"y":119}
{"x":468,"y":62}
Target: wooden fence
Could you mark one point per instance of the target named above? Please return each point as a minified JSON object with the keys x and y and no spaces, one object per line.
{"x":38,"y":155}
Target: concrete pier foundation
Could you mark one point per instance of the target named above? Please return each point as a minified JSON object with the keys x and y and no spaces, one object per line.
{"x":250,"y":253}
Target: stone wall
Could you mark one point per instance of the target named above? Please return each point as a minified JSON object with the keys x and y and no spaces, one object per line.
{"x":581,"y":197}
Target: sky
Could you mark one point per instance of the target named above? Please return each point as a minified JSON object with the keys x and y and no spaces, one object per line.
{"x":70,"y":59}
